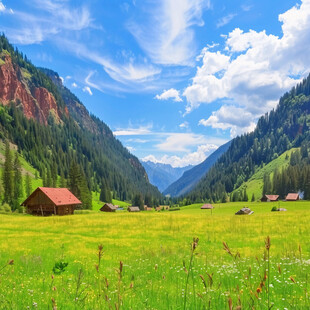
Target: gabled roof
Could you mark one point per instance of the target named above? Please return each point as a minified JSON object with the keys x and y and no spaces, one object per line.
{"x":59,"y":196}
{"x":110,"y":206}
{"x":272,"y":197}
{"x":133,"y":209}
{"x":292,"y":196}
{"x":207,"y":206}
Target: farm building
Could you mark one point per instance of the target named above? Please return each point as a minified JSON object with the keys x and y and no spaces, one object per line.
{"x":207,"y":207}
{"x":292,"y":197}
{"x":269,"y":198}
{"x":47,"y":201}
{"x":146,"y":208}
{"x":108,"y":207}
{"x":133,"y":209}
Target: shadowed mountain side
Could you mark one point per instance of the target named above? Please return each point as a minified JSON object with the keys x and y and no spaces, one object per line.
{"x":191,"y":177}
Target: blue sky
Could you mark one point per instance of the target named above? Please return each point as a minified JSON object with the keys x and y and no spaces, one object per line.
{"x":174,"y":79}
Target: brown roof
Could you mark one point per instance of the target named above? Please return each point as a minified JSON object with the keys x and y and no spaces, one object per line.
{"x":207,"y":206}
{"x":109,"y":205}
{"x":272,"y":197}
{"x":59,"y":196}
{"x":292,"y":196}
{"x":133,"y":209}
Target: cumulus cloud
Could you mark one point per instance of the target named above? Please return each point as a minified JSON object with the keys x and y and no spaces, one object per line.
{"x":87,"y":89}
{"x":254,"y":70}
{"x":184,"y":125}
{"x":170,"y":94}
{"x":230,"y":117}
{"x":193,"y":158}
{"x":172,"y":41}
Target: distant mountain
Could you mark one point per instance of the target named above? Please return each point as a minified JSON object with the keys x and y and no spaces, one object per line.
{"x":191,"y":177}
{"x":53,"y":131}
{"x":162,"y":175}
{"x":280,"y":130}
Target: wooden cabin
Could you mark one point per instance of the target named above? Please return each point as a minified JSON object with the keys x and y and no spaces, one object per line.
{"x":292,"y":197}
{"x":207,"y":207}
{"x":133,"y":209}
{"x":269,"y":198}
{"x":108,"y":207}
{"x":46,"y":201}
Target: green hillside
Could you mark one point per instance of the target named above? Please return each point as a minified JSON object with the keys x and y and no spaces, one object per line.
{"x":255,"y":184}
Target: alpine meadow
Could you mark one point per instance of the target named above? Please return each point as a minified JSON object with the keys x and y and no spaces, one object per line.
{"x":154,"y":155}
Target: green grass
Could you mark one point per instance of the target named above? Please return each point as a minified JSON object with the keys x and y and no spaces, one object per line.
{"x":255,"y":184}
{"x":155,"y":248}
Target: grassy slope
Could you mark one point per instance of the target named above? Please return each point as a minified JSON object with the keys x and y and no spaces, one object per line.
{"x":255,"y":184}
{"x":153,"y":247}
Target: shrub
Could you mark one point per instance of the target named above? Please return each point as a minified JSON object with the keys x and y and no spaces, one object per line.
{"x":274,"y":209}
{"x":6,"y":208}
{"x":175,"y":209}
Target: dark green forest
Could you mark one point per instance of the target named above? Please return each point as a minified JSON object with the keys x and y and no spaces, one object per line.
{"x":79,"y":144}
{"x":283,"y":128}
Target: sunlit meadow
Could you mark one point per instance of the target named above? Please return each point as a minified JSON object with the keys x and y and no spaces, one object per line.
{"x":149,"y":260}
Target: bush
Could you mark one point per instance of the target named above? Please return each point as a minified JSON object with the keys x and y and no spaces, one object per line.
{"x":6,"y":208}
{"x":274,"y":209}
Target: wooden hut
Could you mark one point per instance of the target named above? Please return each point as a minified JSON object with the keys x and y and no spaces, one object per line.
{"x":207,"y":207}
{"x":47,"y":201}
{"x":269,"y":198}
{"x":133,"y":209}
{"x":292,"y":197}
{"x":108,"y":207}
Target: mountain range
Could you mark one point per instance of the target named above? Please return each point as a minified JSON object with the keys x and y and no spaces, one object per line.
{"x":162,"y":175}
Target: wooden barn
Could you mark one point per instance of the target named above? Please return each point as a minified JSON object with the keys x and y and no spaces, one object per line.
{"x":292,"y":197}
{"x":269,"y":198}
{"x":207,"y":207}
{"x":48,"y":201}
{"x":133,"y":209}
{"x":108,"y":207}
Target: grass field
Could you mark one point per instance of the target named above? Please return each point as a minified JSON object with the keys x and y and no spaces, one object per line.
{"x":160,"y":269}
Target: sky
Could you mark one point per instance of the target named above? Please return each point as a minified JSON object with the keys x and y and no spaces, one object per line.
{"x":173,"y":79}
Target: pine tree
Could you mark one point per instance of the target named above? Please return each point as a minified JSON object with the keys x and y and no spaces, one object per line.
{"x":245,"y":195}
{"x":62,"y":182}
{"x":28,"y":185}
{"x":7,"y":176}
{"x":253,"y":198}
{"x":17,"y":182}
{"x":138,"y":201}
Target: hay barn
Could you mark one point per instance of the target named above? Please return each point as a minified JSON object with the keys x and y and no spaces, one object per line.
{"x":269,"y":198}
{"x":207,"y":207}
{"x":108,"y":207}
{"x":46,"y":201}
{"x":133,"y":209}
{"x":292,"y":197}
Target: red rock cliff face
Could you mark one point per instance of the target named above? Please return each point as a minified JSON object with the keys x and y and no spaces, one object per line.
{"x":36,"y":103}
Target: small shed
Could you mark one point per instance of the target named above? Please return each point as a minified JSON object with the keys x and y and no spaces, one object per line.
{"x":244,"y":211}
{"x":207,"y":207}
{"x":133,"y":209}
{"x":47,"y":201}
{"x":292,"y":197}
{"x":108,"y":207}
{"x":269,"y":198}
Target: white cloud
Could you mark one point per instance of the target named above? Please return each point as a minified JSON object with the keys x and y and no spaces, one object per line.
{"x":87,"y":89}
{"x":55,"y":17}
{"x":2,"y":7}
{"x":170,"y":94}
{"x":193,"y":158}
{"x":184,"y":125}
{"x":237,"y":119}
{"x":74,"y":85}
{"x":255,"y":69}
{"x":225,"y":20}
{"x":172,"y":40}
{"x":142,"y":130}
{"x":180,"y":142}
{"x":130,"y":149}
